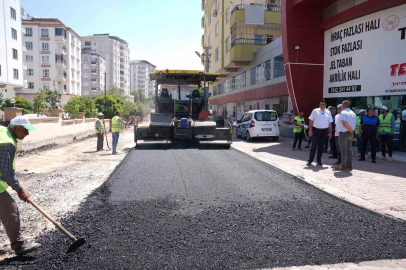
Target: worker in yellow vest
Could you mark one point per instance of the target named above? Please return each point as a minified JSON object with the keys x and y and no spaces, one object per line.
{"x":9,"y":215}
{"x":298,"y":129}
{"x":99,"y":129}
{"x":386,"y":131}
{"x":115,"y":129}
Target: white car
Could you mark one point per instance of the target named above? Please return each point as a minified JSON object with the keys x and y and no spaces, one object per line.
{"x":258,"y":124}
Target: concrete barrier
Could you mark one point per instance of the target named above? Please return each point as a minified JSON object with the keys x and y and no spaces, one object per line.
{"x":55,"y":131}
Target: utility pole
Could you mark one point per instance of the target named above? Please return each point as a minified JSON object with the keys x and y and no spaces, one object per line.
{"x":206,"y":56}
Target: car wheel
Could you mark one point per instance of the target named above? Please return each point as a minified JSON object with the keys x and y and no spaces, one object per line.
{"x":237,"y":134}
{"x":248,"y":136}
{"x":275,"y":139}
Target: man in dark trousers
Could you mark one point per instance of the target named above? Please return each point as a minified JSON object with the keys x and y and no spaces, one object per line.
{"x":99,"y":128}
{"x":299,"y":127}
{"x":368,"y":132}
{"x":320,"y":127}
{"x":333,"y":112}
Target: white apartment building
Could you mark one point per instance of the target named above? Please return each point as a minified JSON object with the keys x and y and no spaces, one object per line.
{"x":116,"y":52}
{"x":93,"y":73}
{"x":53,"y":58}
{"x":140,"y":70}
{"x":11,"y":49}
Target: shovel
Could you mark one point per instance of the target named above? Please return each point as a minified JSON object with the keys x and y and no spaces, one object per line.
{"x":76,"y":242}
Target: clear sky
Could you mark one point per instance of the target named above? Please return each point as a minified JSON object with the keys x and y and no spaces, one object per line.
{"x":165,"y":33}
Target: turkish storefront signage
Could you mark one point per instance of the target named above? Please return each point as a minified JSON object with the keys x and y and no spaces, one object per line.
{"x":367,"y":56}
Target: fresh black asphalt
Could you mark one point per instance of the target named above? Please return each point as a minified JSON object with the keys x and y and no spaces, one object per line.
{"x":175,"y":208}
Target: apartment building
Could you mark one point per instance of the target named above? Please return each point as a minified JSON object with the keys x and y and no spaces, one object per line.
{"x":140,"y":70}
{"x":116,"y":53}
{"x":11,"y":49}
{"x":93,"y":73}
{"x":239,"y":35}
{"x":52,"y":57}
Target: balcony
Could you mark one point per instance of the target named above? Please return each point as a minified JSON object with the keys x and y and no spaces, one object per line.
{"x":270,"y":7}
{"x":60,"y":78}
{"x":60,"y":64}
{"x":94,"y":71}
{"x":94,"y":62}
{"x":60,"y":39}
{"x":202,"y":24}
{"x":95,"y":79}
{"x":202,"y":40}
{"x":60,"y":51}
{"x":95,"y":88}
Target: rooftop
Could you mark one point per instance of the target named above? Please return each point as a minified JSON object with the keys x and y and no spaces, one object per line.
{"x":50,"y":22}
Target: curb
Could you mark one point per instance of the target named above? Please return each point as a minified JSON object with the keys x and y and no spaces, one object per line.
{"x":333,"y":191}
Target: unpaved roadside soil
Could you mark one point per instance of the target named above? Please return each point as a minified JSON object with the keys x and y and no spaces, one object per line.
{"x":60,"y":179}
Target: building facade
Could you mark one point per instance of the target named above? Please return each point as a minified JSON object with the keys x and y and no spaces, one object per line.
{"x":246,"y":50}
{"x":116,"y":53}
{"x":93,"y":73}
{"x":140,"y":70}
{"x":11,"y":49}
{"x":53,"y":59}
{"x":351,"y":50}
{"x":260,"y":85}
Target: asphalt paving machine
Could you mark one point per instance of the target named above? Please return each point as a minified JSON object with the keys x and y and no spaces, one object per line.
{"x":182,"y":118}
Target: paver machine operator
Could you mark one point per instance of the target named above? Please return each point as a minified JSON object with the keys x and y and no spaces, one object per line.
{"x":182,"y":118}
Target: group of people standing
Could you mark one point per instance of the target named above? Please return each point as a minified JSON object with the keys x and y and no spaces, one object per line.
{"x":339,"y":126}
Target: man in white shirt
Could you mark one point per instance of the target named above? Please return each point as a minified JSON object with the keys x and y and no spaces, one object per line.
{"x":320,"y":128}
{"x":337,"y":134}
{"x":346,"y":128}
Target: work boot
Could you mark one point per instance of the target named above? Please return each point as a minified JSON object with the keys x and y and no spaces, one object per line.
{"x":389,"y":158}
{"x":26,"y":247}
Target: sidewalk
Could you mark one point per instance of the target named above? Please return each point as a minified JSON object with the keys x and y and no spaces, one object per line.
{"x":380,"y":187}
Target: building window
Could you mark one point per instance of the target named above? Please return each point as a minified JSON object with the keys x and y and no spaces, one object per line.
{"x":45,"y":46}
{"x":86,"y":75}
{"x":45,"y":73}
{"x":15,"y":54}
{"x":209,"y":41}
{"x":60,"y":32}
{"x":209,"y":19}
{"x":15,"y":73}
{"x":94,"y":50}
{"x":45,"y":59}
{"x":228,"y":14}
{"x":258,"y":40}
{"x":28,"y":32}
{"x":14,"y":33}
{"x":28,"y":45}
{"x":86,"y":66}
{"x":269,"y":39}
{"x":30,"y":72}
{"x":86,"y":58}
{"x":217,"y":29}
{"x":94,"y":43}
{"x":13,"y":14}
{"x":29,"y":58}
{"x":73,"y":38}
{"x":228,"y":44}
{"x":217,"y":54}
{"x":88,"y":43}
{"x":44,"y":33}
{"x":30,"y":85}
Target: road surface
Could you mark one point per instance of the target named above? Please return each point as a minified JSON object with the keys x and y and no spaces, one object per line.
{"x":194,"y":208}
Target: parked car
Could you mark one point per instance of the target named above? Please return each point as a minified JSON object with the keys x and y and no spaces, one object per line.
{"x":218,"y":119}
{"x":258,"y":124}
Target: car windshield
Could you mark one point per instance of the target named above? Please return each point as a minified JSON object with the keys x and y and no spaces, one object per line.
{"x":266,"y":116}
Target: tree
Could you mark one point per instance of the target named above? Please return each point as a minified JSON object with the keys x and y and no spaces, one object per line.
{"x":117,"y":92}
{"x":88,"y":107}
{"x":143,"y":110}
{"x":40,"y":102}
{"x":109,"y":107}
{"x":129,"y":109}
{"x":20,"y":103}
{"x":52,"y":97}
{"x":72,"y":107}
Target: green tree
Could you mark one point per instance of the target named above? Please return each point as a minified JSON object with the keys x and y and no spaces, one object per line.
{"x":143,"y":110}
{"x":110,"y":106}
{"x":88,"y":106}
{"x":73,"y":106}
{"x":52,"y":97}
{"x":117,"y":92}
{"x":20,"y":103}
{"x":40,"y":102}
{"x":129,"y":109}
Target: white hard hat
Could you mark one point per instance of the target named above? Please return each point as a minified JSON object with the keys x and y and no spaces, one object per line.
{"x":100,"y":114}
{"x":385,"y":108}
{"x":22,"y":121}
{"x":361,"y":111}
